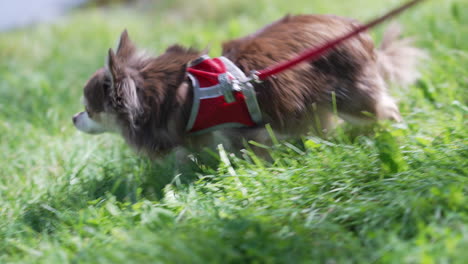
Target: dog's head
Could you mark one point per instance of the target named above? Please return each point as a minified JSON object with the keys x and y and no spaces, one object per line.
{"x":144,"y":98}
{"x":111,"y":94}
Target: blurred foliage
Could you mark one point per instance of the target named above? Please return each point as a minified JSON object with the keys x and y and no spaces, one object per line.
{"x":101,"y":3}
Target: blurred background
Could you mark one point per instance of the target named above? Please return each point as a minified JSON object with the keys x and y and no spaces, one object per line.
{"x":23,"y":13}
{"x":20,"y":13}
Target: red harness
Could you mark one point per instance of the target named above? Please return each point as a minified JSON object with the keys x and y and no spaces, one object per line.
{"x":221,"y":96}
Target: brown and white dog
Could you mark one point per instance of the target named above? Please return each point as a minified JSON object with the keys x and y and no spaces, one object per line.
{"x":148,"y":99}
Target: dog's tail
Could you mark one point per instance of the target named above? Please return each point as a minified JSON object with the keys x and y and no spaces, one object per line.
{"x":398,"y":59}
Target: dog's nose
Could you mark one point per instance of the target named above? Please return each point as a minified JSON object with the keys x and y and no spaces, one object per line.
{"x":75,"y":118}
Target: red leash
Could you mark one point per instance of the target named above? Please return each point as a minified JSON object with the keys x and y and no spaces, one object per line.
{"x":315,"y":53}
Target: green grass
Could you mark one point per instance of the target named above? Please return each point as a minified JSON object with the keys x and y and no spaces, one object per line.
{"x":396,"y":196}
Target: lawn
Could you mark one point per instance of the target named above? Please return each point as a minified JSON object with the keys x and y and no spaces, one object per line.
{"x":396,"y":195}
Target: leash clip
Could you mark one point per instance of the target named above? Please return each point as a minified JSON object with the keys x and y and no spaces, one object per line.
{"x":254,"y":77}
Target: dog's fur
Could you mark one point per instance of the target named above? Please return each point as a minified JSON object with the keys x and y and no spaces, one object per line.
{"x":148,"y":99}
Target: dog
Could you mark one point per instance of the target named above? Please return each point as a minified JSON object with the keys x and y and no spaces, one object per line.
{"x":149,"y":99}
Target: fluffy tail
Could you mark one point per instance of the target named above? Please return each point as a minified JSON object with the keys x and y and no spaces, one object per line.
{"x":397,"y":58}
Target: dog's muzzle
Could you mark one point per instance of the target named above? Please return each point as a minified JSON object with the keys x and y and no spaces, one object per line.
{"x":85,"y":124}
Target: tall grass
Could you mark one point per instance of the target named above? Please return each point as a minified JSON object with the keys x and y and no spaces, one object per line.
{"x":396,"y":195}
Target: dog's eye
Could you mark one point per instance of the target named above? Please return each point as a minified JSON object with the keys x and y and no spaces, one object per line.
{"x":106,"y":85}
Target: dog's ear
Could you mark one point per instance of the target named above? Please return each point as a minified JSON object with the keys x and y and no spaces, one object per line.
{"x":123,"y":92}
{"x":115,"y":66}
{"x":126,"y":49}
